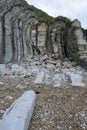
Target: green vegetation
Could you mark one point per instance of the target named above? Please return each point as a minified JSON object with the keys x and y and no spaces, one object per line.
{"x":74,"y":27}
{"x":66,"y":21}
{"x":41,"y":14}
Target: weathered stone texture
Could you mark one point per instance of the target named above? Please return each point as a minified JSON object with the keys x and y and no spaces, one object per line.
{"x":23,"y":32}
{"x":77,"y":44}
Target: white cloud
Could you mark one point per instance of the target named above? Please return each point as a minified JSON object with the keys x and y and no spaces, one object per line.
{"x":74,"y":9}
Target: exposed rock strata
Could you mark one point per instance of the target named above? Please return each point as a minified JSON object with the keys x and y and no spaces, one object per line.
{"x":25,"y":30}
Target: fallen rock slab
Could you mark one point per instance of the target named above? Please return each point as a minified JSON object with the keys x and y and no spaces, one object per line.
{"x":75,"y":79}
{"x":18,"y":116}
{"x":59,"y":80}
{"x":0,"y":124}
{"x":39,"y":78}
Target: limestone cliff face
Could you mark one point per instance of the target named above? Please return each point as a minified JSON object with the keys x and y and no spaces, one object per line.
{"x":77,"y":44}
{"x":25,"y":30}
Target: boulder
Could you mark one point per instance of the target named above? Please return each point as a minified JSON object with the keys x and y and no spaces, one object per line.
{"x":75,"y":79}
{"x":16,"y":67}
{"x":59,"y":80}
{"x":39,"y":78}
{"x":0,"y":124}
{"x":18,"y":116}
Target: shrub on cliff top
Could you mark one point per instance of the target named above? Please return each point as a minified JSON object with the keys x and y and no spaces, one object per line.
{"x":67,"y":21}
{"x":44,"y":17}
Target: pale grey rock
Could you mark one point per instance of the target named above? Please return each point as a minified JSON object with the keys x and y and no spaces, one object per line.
{"x":21,"y":86}
{"x":2,"y":111}
{"x":79,"y":68}
{"x":85,"y":77}
{"x":42,"y":30}
{"x":24,"y":33}
{"x":59,"y":80}
{"x":18,"y":69}
{"x":1,"y":46}
{"x":67,"y":64}
{"x":82,"y":43}
{"x":75,"y":79}
{"x":86,"y":101}
{"x":26,"y":73}
{"x":0,"y":124}
{"x":34,"y":69}
{"x":59,"y":64}
{"x":2,"y":102}
{"x":47,"y":79}
{"x":8,"y":42}
{"x":57,"y":84}
{"x":50,"y":66}
{"x":79,"y":34}
{"x":2,"y":66}
{"x":16,"y":66}
{"x":20,"y":112}
{"x":1,"y":83}
{"x":40,"y":77}
{"x":8,"y":98}
{"x":44,"y":57}
{"x":50,"y":61}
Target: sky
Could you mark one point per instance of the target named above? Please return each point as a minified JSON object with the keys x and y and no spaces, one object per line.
{"x":73,"y":9}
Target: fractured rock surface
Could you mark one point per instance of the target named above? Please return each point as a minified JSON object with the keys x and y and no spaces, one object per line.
{"x":25,"y":30}
{"x":56,"y":75}
{"x":57,"y":102}
{"x":20,"y":112}
{"x":41,"y":43}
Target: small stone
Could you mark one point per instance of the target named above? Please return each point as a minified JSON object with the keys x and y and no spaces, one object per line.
{"x":70,"y":127}
{"x":45,"y":57}
{"x":20,"y":86}
{"x":1,"y":83}
{"x":2,"y":111}
{"x":2,"y":102}
{"x":9,"y":98}
{"x":50,"y":66}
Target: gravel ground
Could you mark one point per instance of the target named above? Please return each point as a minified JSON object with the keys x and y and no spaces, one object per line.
{"x":55,"y":109}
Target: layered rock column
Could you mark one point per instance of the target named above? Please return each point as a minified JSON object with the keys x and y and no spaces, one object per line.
{"x":25,"y":31}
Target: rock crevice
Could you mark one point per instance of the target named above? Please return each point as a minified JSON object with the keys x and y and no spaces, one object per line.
{"x":25,"y":30}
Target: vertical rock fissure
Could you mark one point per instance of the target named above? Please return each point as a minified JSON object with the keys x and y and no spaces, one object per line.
{"x":63,"y":36}
{"x":49,"y":46}
{"x":2,"y":41}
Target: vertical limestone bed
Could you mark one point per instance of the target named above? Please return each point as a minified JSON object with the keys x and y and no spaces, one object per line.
{"x":26,"y":30}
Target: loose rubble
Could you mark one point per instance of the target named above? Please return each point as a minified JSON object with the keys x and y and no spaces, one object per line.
{"x":60,"y":88}
{"x":50,"y":73}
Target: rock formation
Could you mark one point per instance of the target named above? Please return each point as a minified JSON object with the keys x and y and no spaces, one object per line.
{"x":26,"y":30}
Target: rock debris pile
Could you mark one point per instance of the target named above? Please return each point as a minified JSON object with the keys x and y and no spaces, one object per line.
{"x":48,"y":72}
{"x":45,"y":54}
